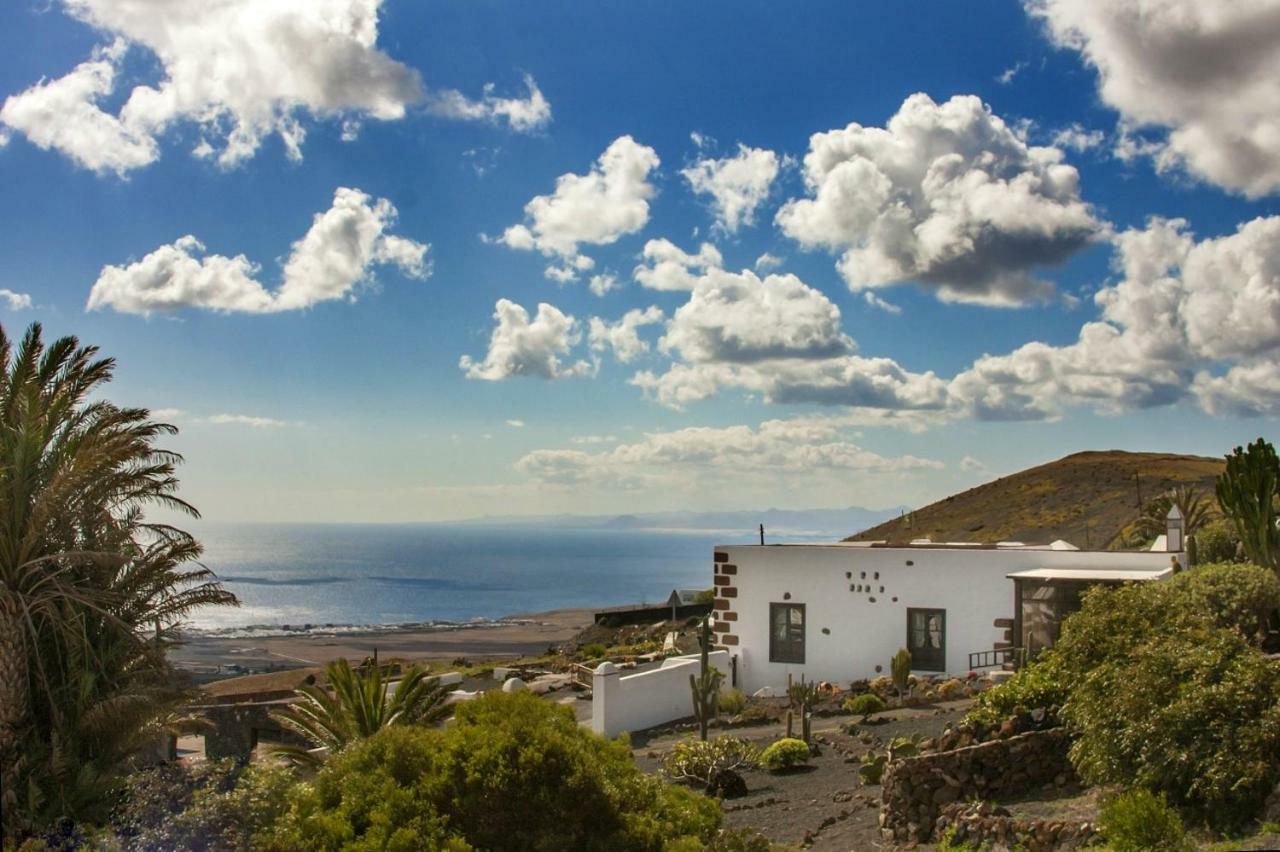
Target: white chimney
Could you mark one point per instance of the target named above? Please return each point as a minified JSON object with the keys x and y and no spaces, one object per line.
{"x":1173,"y":541}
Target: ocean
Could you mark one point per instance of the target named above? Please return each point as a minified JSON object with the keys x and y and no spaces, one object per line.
{"x":309,"y":577}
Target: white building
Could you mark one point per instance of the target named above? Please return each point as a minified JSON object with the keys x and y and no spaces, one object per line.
{"x":839,"y":612}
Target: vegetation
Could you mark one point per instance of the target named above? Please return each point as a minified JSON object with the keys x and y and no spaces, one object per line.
{"x":874,"y":762}
{"x":703,"y":760}
{"x":91,"y":593}
{"x":803,"y":696}
{"x":783,"y":754}
{"x":705,"y":685}
{"x":1247,"y":492}
{"x":592,"y":651}
{"x":900,"y":668}
{"x":358,"y":707}
{"x":733,"y":701}
{"x":1138,"y":821}
{"x":511,"y":772}
{"x":1218,"y":541}
{"x":864,"y":705}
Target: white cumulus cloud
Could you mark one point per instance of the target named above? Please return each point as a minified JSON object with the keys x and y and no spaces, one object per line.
{"x":521,"y":347}
{"x":598,"y":208}
{"x":623,"y":336}
{"x":523,"y":115}
{"x":15,"y":301}
{"x":947,"y":195}
{"x":668,"y":267}
{"x":737,"y":185}
{"x":1208,"y":73}
{"x":331,"y":261}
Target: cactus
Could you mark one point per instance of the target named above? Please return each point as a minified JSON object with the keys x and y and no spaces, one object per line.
{"x":705,"y":685}
{"x":803,"y":696}
{"x":790,"y":726}
{"x":1246,"y":492}
{"x":900,"y":666}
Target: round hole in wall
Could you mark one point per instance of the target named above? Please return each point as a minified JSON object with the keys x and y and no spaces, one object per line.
{"x":882,"y":590}
{"x":826,"y":631}
{"x":851,"y":587}
{"x":879,"y":669}
{"x":848,"y":575}
{"x":873,"y":600}
{"x":895,"y":599}
{"x":786,"y":596}
{"x":909,"y":562}
{"x":877,"y":575}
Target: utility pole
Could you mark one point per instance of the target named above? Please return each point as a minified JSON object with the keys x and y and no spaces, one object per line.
{"x":1137,"y":480}
{"x":762,"y":535}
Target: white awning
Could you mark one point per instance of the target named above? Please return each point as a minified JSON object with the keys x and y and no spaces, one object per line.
{"x":1094,"y":575}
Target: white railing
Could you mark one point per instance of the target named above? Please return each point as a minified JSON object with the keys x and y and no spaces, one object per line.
{"x":654,"y":697}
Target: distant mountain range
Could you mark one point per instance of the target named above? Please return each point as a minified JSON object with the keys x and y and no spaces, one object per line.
{"x":785,"y":523}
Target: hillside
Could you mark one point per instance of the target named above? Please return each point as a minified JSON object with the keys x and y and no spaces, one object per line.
{"x":1086,"y":498}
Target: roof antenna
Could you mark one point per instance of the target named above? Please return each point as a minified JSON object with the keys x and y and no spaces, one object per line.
{"x":762,"y":534}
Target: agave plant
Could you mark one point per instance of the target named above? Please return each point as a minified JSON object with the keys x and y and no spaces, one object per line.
{"x":90,"y":592}
{"x":358,"y":704}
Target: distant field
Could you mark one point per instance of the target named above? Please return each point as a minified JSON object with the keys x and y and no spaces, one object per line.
{"x":1086,"y":498}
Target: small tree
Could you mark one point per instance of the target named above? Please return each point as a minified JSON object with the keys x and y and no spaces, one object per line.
{"x":1246,"y":492}
{"x":705,"y":685}
{"x":900,"y":667}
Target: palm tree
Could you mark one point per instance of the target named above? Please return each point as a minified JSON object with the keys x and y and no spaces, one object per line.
{"x":361,"y":704}
{"x":1196,"y":508}
{"x":90,"y":593}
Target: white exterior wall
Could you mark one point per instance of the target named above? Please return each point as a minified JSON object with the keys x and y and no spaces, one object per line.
{"x":639,"y":701}
{"x":970,"y":584}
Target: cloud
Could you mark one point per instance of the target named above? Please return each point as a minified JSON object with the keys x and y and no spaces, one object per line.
{"x":519,"y":347}
{"x":737,"y":185}
{"x":671,"y":268}
{"x":523,"y":115}
{"x":1186,"y":319}
{"x":516,"y":424}
{"x":594,"y":439}
{"x":1077,"y":138}
{"x":598,"y":208}
{"x":622,"y":336}
{"x":246,"y":420}
{"x":330,"y":262}
{"x":946,"y":195}
{"x":876,"y":302}
{"x":15,"y":301}
{"x":239,"y":70}
{"x":767,"y":262}
{"x":971,"y":465}
{"x":804,"y":446}
{"x":603,"y":283}
{"x":1006,"y":76}
{"x":1208,"y":73}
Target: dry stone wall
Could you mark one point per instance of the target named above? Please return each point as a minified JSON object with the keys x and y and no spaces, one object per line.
{"x":916,"y":789}
{"x":976,"y":824}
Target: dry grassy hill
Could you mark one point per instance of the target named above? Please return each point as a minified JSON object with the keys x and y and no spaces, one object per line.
{"x":1085,"y":498}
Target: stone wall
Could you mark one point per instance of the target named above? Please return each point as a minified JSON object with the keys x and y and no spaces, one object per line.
{"x":981,"y":823}
{"x":916,"y":789}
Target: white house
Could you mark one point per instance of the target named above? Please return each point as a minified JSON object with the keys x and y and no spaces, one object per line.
{"x":839,"y":612}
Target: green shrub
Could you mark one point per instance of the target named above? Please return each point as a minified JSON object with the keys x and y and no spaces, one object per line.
{"x":512,"y":772}
{"x":218,"y":805}
{"x":700,"y":760}
{"x":1239,"y":597}
{"x":592,"y":651}
{"x":864,"y":705}
{"x":1217,"y":541}
{"x":1194,"y":716}
{"x":1137,"y":821}
{"x":1041,"y":684}
{"x":785,"y":753}
{"x":871,"y":770}
{"x":733,"y":702}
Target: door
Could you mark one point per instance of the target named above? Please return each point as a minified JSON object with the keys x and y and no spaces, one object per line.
{"x":927,"y":639}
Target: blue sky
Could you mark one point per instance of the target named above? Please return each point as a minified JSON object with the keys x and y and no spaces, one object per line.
{"x":320,"y":378}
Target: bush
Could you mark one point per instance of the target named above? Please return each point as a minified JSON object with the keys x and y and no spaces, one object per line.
{"x":218,"y":805}
{"x":953,"y":688}
{"x":733,"y":702}
{"x":1194,"y":716}
{"x":592,"y":651}
{"x":881,"y":685}
{"x":1217,"y":541}
{"x":1137,"y":821}
{"x":698,"y":760}
{"x":1239,"y":597}
{"x":512,"y":772}
{"x":1038,"y":685}
{"x":864,"y":705}
{"x":785,"y":753}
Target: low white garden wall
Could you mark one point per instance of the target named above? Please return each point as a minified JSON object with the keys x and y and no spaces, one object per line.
{"x":639,"y":701}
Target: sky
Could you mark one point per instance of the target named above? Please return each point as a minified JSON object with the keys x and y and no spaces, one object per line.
{"x":387,"y":260}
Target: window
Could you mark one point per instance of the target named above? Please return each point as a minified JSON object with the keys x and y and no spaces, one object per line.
{"x":786,"y":633}
{"x":927,"y":639}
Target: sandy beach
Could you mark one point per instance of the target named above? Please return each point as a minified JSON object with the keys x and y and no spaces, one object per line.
{"x":517,"y":635}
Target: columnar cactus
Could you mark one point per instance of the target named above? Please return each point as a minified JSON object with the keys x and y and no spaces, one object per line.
{"x":705,"y":685}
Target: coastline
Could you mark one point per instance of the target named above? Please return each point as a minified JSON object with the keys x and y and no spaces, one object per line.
{"x":209,"y":656}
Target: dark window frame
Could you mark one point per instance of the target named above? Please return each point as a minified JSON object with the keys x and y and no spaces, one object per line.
{"x":926,"y":664}
{"x":788,"y":654}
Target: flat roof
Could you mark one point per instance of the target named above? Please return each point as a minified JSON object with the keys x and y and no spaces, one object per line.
{"x":1115,"y":575}
{"x":1009,"y":546}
